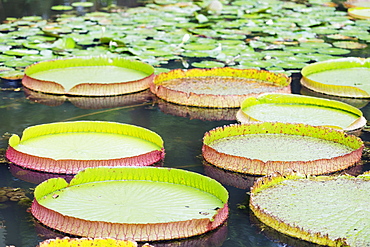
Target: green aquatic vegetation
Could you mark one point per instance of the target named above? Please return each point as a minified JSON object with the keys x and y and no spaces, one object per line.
{"x":275,"y":24}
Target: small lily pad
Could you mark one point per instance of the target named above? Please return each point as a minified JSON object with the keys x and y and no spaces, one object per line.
{"x":208,"y":64}
{"x":349,"y":45}
{"x":82,"y":4}
{"x":61,"y":7}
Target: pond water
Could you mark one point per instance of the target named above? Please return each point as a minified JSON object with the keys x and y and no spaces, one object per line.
{"x":180,"y":127}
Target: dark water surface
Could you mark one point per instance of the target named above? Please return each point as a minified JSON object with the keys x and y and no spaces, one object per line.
{"x":179,"y":127}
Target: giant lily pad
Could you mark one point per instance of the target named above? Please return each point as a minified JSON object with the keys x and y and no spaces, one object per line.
{"x":138,"y":203}
{"x":88,"y":76}
{"x":356,"y":3}
{"x":335,"y":207}
{"x":217,"y":87}
{"x":360,"y":12}
{"x":87,"y":242}
{"x":68,"y":147}
{"x":263,"y":148}
{"x":293,"y":108}
{"x":345,"y":77}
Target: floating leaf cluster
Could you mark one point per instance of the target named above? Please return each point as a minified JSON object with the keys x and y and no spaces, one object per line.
{"x":274,"y":35}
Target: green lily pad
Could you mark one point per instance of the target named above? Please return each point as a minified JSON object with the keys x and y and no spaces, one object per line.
{"x":333,"y":51}
{"x":293,"y":108}
{"x":82,"y":4}
{"x":279,"y":202}
{"x":84,"y":242}
{"x":346,"y":77}
{"x":217,"y":87}
{"x":208,"y":64}
{"x":63,"y":147}
{"x":87,"y":76}
{"x":349,"y":45}
{"x":20,"y":52}
{"x":267,"y":147}
{"x":186,"y":203}
{"x":360,"y":12}
{"x":61,"y":7}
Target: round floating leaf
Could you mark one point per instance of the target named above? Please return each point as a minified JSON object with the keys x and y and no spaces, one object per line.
{"x":61,"y":7}
{"x":344,"y":77}
{"x":217,"y":87}
{"x":71,"y":146}
{"x":326,"y":200}
{"x":20,"y":52}
{"x":333,"y":51}
{"x":182,"y":203}
{"x":86,"y":242}
{"x":82,"y":4}
{"x":208,"y":64}
{"x":349,"y":45}
{"x":294,"y":108}
{"x":360,"y":12}
{"x":263,"y":148}
{"x":89,"y":76}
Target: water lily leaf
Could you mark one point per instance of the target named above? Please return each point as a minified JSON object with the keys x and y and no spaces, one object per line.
{"x":82,"y":4}
{"x":349,"y":45}
{"x":218,"y":87}
{"x":315,"y":45}
{"x":257,"y":63}
{"x":62,"y":147}
{"x":208,"y":64}
{"x":17,"y":63}
{"x":186,"y":203}
{"x":261,"y":148}
{"x":11,"y":74}
{"x":195,"y":54}
{"x":61,"y":7}
{"x":195,"y":46}
{"x":38,"y":45}
{"x":100,"y":75}
{"x":342,"y":77}
{"x":359,"y":12}
{"x":309,"y":110}
{"x":333,"y":51}
{"x":278,"y":202}
{"x":20,"y":52}
{"x":74,"y":242}
{"x":299,"y":50}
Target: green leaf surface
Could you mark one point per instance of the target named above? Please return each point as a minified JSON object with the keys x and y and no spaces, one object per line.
{"x":149,"y":195}
{"x":300,"y":109}
{"x":335,"y":209}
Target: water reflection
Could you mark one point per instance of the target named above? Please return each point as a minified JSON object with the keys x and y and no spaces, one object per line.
{"x":202,"y":113}
{"x":90,"y":102}
{"x":237,"y":180}
{"x":214,"y":238}
{"x":35,"y":177}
